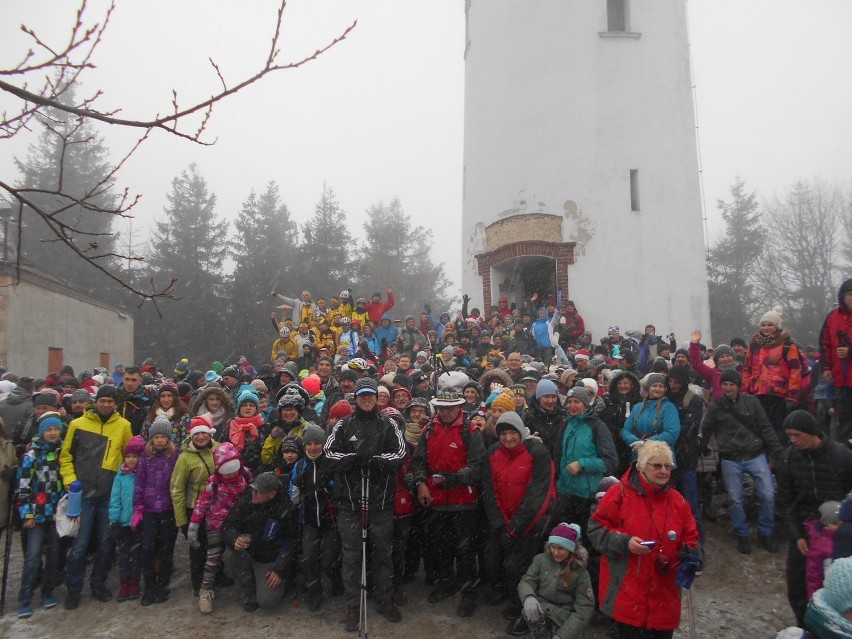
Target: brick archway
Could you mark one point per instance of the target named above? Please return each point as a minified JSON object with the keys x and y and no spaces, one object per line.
{"x":562,"y":252}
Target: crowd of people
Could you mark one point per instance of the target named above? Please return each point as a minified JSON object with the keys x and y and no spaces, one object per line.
{"x":507,"y":455}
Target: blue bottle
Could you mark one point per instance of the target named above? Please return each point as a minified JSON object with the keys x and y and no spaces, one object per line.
{"x":75,"y":498}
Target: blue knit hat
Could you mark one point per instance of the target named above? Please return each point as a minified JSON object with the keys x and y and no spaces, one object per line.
{"x":565,"y":535}
{"x":545,"y":387}
{"x":49,"y":420}
{"x":838,"y":585}
{"x":247,"y":396}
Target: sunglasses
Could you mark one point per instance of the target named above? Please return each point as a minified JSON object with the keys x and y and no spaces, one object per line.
{"x":668,"y":467}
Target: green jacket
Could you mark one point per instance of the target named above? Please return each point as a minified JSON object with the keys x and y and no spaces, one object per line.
{"x":569,"y":607}
{"x":189,"y":478}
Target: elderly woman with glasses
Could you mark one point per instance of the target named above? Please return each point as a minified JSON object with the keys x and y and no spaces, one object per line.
{"x":644,"y":529}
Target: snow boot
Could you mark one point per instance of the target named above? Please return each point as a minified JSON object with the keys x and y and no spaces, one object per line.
{"x":123,"y":589}
{"x":205,"y":600}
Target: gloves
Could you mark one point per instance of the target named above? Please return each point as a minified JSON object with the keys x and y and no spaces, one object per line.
{"x":447,"y":481}
{"x":466,"y":297}
{"x":636,"y":444}
{"x":183,"y":530}
{"x":277,"y":432}
{"x":408,"y":480}
{"x":138,"y":514}
{"x":690,"y":566}
{"x":192,"y":535}
{"x":427,"y":308}
{"x":532,"y":609}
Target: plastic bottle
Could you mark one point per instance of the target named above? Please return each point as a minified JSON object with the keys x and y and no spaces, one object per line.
{"x":75,"y":499}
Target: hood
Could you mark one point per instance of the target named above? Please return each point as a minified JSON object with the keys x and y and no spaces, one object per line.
{"x":388,"y":317}
{"x":844,"y":288}
{"x":494,"y":376}
{"x":18,"y":395}
{"x":612,"y":391}
{"x":227,"y":401}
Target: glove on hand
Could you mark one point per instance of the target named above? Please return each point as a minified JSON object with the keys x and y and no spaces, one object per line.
{"x":138,"y":514}
{"x":192,"y":535}
{"x":532,"y":609}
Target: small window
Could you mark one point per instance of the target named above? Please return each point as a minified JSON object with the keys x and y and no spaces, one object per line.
{"x":616,"y":15}
{"x":634,"y":190}
{"x":54,"y":359}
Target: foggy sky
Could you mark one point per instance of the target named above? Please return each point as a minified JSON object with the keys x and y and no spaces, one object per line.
{"x":380,"y":115}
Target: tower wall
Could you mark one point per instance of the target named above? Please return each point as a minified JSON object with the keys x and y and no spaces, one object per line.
{"x":558,"y":111}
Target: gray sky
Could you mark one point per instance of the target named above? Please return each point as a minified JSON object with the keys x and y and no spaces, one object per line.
{"x":380,"y":115}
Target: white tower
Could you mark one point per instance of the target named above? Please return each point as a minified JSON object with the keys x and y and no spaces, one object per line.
{"x":580,"y":162}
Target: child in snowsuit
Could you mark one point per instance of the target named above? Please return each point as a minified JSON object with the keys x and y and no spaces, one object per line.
{"x":39,"y":491}
{"x":556,"y":591}
{"x":820,"y":544}
{"x":127,"y":540}
{"x":223,"y":490}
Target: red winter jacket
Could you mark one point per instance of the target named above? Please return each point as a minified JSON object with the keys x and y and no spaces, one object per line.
{"x":632,"y":590}
{"x":443,"y":449}
{"x":403,"y":499}
{"x":837,"y":329}
{"x":517,"y":487}
{"x":767,"y":372}
{"x":375,"y":311}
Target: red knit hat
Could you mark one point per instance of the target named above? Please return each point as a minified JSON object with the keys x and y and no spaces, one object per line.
{"x":340,"y":410}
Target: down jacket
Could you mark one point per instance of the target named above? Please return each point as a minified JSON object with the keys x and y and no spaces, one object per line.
{"x":768,"y":372}
{"x":837,"y":331}
{"x":632,"y":590}
{"x":92,"y":452}
{"x":189,"y":478}
{"x":221,"y":494}
{"x":153,"y":478}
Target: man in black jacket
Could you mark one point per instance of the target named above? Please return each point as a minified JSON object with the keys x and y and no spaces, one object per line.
{"x":259,"y":533}
{"x":746,"y":439}
{"x":811,"y":471}
{"x":365,"y":449}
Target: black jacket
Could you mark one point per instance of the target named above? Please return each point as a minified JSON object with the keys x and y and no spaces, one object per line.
{"x":547,"y":425}
{"x":272,"y":526}
{"x":365,"y":445}
{"x":742,"y":429}
{"x":807,"y":478}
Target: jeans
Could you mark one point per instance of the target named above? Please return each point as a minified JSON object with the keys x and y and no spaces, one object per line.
{"x":94,"y":520}
{"x":732,"y":475}
{"x":687,"y":485}
{"x":41,"y":539}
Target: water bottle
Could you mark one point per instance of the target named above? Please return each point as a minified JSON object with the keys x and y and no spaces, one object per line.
{"x":75,"y":499}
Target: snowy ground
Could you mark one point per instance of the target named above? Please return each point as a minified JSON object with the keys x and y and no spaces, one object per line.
{"x":738,"y":596}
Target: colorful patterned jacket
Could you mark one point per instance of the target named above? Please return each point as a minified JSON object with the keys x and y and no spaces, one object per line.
{"x":39,"y":482}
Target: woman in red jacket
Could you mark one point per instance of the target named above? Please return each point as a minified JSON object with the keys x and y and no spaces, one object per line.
{"x":643,"y":528}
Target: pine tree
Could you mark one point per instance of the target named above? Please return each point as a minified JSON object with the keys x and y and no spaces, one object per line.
{"x":324,"y":252}
{"x":69,"y":162}
{"x":191,"y":244}
{"x":731,"y":264}
{"x":398,"y":254}
{"x":266,"y":253}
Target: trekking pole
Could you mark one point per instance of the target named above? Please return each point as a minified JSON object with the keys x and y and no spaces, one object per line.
{"x":365,"y":504}
{"x":690,"y":613}
{"x":7,"y":550}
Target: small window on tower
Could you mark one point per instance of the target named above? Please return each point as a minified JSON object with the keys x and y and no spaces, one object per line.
{"x":634,"y":190}
{"x":616,"y":15}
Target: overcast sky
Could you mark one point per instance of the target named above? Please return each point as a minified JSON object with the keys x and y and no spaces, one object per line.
{"x":380,"y":115}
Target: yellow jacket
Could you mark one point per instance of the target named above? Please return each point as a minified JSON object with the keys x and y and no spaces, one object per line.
{"x":93,"y":451}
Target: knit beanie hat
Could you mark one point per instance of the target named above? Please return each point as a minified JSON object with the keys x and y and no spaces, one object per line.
{"x":829,"y":512}
{"x":580,"y":392}
{"x":135,"y":446}
{"x":565,"y":535}
{"x":247,"y":396}
{"x":313,"y":433}
{"x":106,"y":391}
{"x":591,"y":386}
{"x":838,"y":585}
{"x":49,"y":420}
{"x":545,"y":387}
{"x":772,"y":316}
{"x":722,"y":349}
{"x":802,"y":421}
{"x":731,"y":376}
{"x":45,"y":399}
{"x":340,"y":409}
{"x":505,"y":401}
{"x":292,"y":444}
{"x":606,"y":483}
{"x":680,"y":373}
{"x":260,"y":385}
{"x":161,"y":426}
{"x":654,"y":378}
{"x":210,"y":376}
{"x":81,"y":395}
{"x":511,"y":419}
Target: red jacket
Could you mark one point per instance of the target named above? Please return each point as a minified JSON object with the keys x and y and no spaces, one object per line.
{"x":632,"y":590}
{"x":836,"y":329}
{"x":767,"y":372}
{"x":403,"y":498}
{"x":375,"y":311}
{"x":517,"y":487}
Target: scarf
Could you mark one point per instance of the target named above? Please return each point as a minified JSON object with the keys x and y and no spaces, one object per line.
{"x":168,"y":414}
{"x":768,"y":341}
{"x":242,"y":425}
{"x":218,"y":416}
{"x":413,"y":432}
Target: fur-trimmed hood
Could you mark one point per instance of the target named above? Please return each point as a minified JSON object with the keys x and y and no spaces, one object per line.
{"x":496,"y":375}
{"x":227,"y":401}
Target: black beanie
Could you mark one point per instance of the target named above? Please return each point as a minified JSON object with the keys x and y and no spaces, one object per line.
{"x":802,"y":421}
{"x":107,"y":390}
{"x":731,"y":376}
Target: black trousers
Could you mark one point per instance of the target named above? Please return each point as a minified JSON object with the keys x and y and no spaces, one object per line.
{"x":450,"y":534}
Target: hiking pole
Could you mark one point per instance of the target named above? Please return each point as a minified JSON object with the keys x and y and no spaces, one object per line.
{"x":7,"y":549}
{"x":690,"y":613}
{"x":365,"y":504}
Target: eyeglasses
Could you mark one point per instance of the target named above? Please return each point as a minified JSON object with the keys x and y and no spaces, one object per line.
{"x":668,"y":467}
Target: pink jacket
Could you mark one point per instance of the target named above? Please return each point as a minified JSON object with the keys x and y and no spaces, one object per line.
{"x":221,"y":494}
{"x":820,"y":549}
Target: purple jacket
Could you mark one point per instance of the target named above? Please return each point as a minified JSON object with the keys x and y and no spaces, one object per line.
{"x":152,"y":482}
{"x":708,"y":373}
{"x":820,"y":549}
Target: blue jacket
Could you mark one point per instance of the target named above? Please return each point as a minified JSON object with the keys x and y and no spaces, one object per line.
{"x":389,"y":333}
{"x":650,"y":421}
{"x":121,"y":498}
{"x":541,"y":331}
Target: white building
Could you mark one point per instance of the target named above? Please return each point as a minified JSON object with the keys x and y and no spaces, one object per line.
{"x":581,"y":111}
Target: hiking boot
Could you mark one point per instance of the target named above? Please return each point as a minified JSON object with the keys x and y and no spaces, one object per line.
{"x":768,"y":542}
{"x":101,"y":593}
{"x":517,"y":628}
{"x":388,"y":610}
{"x":48,"y":601}
{"x":512,"y":611}
{"x":251,"y":605}
{"x":399,"y":597}
{"x":352,"y":621}
{"x":25,"y":610}
{"x":122,"y":591}
{"x":467,"y":605}
{"x":743,"y":544}
{"x":72,"y":600}
{"x":132,"y":588}
{"x":205,"y":600}
{"x":440,"y":592}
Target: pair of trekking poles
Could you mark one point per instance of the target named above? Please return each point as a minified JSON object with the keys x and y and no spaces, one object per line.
{"x":365,"y":520}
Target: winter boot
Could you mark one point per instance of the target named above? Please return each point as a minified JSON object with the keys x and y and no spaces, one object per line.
{"x":388,"y":610}
{"x":205,"y":600}
{"x":163,"y":592}
{"x":518,"y":628}
{"x":353,"y":619}
{"x":150,"y":594}
{"x":769,"y":543}
{"x":132,"y":588}
{"x":441,"y":591}
{"x":743,"y":544}
{"x":123,"y":589}
{"x":468,"y":603}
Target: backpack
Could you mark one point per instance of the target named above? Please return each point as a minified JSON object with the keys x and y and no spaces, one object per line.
{"x":803,"y":357}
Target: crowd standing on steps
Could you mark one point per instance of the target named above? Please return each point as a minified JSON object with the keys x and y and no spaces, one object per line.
{"x":504,"y":452}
